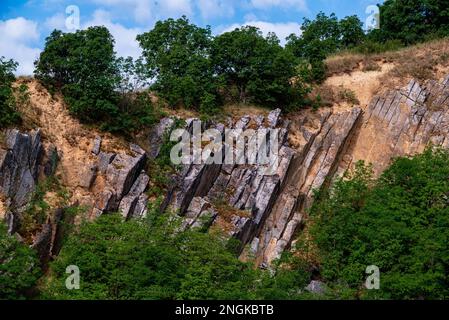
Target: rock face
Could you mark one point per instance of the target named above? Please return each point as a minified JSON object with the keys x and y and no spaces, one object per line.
{"x":245,"y":193}
{"x":404,"y":122}
{"x":49,"y":240}
{"x":263,"y":209}
{"x":124,"y":183}
{"x":19,"y":165}
{"x":316,"y":287}
{"x":156,"y":136}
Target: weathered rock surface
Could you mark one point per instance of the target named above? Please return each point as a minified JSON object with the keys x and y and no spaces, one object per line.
{"x":128,"y":203}
{"x":49,"y":240}
{"x":403,"y":122}
{"x":263,"y":210}
{"x":124,"y":183}
{"x":19,"y":165}
{"x":316,"y":287}
{"x":156,"y":136}
{"x":246,"y":191}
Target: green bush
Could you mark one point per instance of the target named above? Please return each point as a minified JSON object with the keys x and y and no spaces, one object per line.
{"x":373,"y":47}
{"x":399,"y":223}
{"x":8,"y":113}
{"x":97,"y":87}
{"x":19,"y":267}
{"x":176,"y":54}
{"x":138,"y":260}
{"x":260,"y":69}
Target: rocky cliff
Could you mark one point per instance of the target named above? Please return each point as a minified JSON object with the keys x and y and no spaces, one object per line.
{"x":263,"y":211}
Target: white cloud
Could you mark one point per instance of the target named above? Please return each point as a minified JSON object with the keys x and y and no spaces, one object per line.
{"x":58,"y":21}
{"x":17,"y":42}
{"x":215,"y":8}
{"x":125,"y":38}
{"x":299,"y":5}
{"x":282,"y":30}
{"x":147,"y":11}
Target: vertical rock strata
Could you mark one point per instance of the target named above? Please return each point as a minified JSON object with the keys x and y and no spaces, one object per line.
{"x":263,"y":211}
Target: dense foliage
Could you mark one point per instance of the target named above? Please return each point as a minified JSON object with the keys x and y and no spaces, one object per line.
{"x":321,"y":37}
{"x":188,"y":67}
{"x":195,"y":70}
{"x":399,"y":223}
{"x":411,"y":21}
{"x":147,"y":260}
{"x":8,"y":114}
{"x":256,"y":68}
{"x":177,"y":56}
{"x":19,"y":267}
{"x":83,"y":65}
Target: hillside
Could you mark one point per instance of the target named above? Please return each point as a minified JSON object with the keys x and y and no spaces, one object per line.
{"x":56,"y":171}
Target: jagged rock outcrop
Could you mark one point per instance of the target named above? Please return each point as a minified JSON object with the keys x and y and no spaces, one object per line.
{"x":124,"y":183}
{"x":315,"y":163}
{"x":19,"y":165}
{"x":48,"y":241}
{"x":246,"y":192}
{"x":262,"y":209}
{"x":403,"y":122}
{"x":265,"y":211}
{"x":156,"y":136}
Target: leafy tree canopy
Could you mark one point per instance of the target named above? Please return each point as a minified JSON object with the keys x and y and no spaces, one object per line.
{"x":399,"y":223}
{"x":19,"y":267}
{"x":98,"y":87}
{"x":412,"y":21}
{"x":177,"y":53}
{"x":321,"y":37}
{"x":257,"y":66}
{"x":8,"y":114}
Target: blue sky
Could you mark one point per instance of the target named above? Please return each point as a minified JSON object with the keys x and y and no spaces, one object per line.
{"x":24,"y":24}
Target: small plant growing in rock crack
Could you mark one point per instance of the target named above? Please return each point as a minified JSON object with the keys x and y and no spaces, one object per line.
{"x":162,"y":167}
{"x":38,"y":209}
{"x":23,"y":95}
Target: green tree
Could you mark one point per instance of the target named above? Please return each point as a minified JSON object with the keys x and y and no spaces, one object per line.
{"x":98,"y":87}
{"x":19,"y":267}
{"x":321,"y":37}
{"x":83,"y":66}
{"x":413,"y":20}
{"x":351,"y":32}
{"x":148,"y":260}
{"x":177,"y":53}
{"x":398,"y":223}
{"x":257,"y":67}
{"x":8,"y":113}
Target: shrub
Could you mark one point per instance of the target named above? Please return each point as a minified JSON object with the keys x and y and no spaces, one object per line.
{"x":176,"y":54}
{"x":398,"y":223}
{"x":19,"y":267}
{"x":136,"y":260}
{"x":8,"y":113}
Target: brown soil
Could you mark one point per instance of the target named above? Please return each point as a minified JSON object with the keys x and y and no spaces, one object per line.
{"x":73,"y":140}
